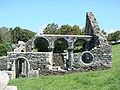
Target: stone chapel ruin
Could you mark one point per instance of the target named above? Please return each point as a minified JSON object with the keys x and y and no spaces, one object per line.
{"x":95,"y":55}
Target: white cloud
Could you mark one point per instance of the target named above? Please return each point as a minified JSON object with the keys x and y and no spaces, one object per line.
{"x":40,"y":29}
{"x":112,"y":31}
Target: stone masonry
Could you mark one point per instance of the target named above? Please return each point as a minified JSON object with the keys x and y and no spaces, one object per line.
{"x":97,"y":54}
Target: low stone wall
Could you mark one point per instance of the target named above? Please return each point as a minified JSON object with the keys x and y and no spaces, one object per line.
{"x":3,"y":64}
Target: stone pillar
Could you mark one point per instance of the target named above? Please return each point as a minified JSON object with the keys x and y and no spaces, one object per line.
{"x":28,"y":68}
{"x":22,"y":68}
{"x":14,"y":70}
{"x":51,"y":55}
{"x":70,"y":58}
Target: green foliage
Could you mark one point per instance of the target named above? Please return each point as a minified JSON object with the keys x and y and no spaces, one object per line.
{"x":78,"y":46}
{"x":51,"y":29}
{"x":60,"y":46}
{"x":114,"y":36}
{"x":4,"y":48}
{"x":83,"y":31}
{"x":104,"y":33}
{"x":117,"y":35}
{"x":25,"y":35}
{"x":15,"y":34}
{"x":4,"y":35}
{"x":19,"y":34}
{"x":110,"y":37}
{"x":41,"y":45}
{"x":69,"y":30}
{"x":97,"y":80}
{"x":12,"y":36}
{"x":63,"y":30}
{"x":35,"y":50}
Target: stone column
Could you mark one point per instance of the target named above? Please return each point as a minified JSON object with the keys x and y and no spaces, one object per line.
{"x":70,"y":58}
{"x":28,"y":68}
{"x":51,"y":55}
{"x":14,"y":70}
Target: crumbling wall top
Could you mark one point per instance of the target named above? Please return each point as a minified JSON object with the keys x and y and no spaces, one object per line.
{"x":92,"y":28}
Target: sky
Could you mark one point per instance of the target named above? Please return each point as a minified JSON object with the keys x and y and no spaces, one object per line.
{"x":36,"y":14}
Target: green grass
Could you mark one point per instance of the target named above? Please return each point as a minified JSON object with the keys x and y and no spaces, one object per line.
{"x":2,"y":57}
{"x":97,"y":80}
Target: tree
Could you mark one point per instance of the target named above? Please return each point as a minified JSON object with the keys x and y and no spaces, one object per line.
{"x":15,"y":34}
{"x":4,"y":48}
{"x":19,"y":34}
{"x":60,"y":46}
{"x":41,"y":45}
{"x":104,"y":33}
{"x":4,"y":35}
{"x":25,"y":35}
{"x":76,"y":30}
{"x":117,"y":35}
{"x":114,"y":36}
{"x":65,"y":30}
{"x":0,"y":37}
{"x":83,"y":31}
{"x":51,"y":29}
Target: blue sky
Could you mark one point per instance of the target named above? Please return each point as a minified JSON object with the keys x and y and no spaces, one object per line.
{"x":36,"y":14}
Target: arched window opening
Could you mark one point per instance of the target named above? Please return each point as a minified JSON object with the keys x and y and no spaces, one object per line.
{"x":60,"y":52}
{"x":60,"y":45}
{"x":21,"y":67}
{"x":41,"y":45}
{"x":79,"y":46}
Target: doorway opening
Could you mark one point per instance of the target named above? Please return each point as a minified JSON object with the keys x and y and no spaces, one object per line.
{"x":21,"y":68}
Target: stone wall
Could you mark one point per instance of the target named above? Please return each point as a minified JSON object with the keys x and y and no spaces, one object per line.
{"x":98,"y":54}
{"x":102,"y":59}
{"x":40,"y":62}
{"x":59,"y":59}
{"x":36,"y":59}
{"x":51,"y":39}
{"x":3,"y":64}
{"x":92,"y":28}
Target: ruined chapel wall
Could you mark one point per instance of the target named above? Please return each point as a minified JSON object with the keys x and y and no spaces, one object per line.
{"x":102,"y":59}
{"x":36,"y":60}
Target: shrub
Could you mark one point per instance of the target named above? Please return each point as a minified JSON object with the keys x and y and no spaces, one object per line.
{"x":4,"y":48}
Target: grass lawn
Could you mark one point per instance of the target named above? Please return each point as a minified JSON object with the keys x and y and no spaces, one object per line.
{"x":97,"y":80}
{"x":2,"y":57}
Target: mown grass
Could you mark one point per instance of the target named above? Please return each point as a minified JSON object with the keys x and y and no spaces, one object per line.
{"x":2,"y":57}
{"x":97,"y":80}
